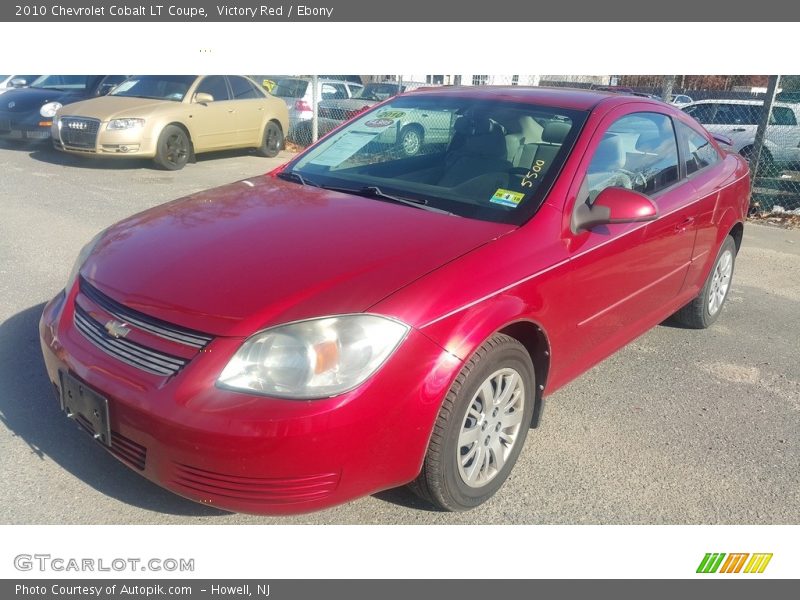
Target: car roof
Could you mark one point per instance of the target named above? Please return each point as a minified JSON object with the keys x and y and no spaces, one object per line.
{"x":569,"y":98}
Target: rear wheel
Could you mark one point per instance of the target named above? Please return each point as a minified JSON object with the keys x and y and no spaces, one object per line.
{"x":410,"y":140}
{"x":271,"y":140}
{"x":481,"y":427}
{"x":707,"y":306}
{"x":173,"y":149}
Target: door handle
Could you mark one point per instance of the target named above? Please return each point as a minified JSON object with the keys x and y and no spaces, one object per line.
{"x":684,"y":225}
{"x":738,"y":130}
{"x":230,"y":110}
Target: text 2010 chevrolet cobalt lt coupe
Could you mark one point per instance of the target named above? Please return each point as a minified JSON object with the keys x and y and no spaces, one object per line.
{"x":361,"y":319}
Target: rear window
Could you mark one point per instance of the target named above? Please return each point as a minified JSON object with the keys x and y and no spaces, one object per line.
{"x":290,"y":88}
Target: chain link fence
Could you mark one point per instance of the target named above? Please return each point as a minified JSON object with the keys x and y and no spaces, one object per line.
{"x":758,"y":115}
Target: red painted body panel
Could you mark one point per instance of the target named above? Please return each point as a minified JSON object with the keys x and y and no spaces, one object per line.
{"x":231,"y":261}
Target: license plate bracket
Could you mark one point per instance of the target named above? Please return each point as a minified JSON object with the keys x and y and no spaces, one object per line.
{"x":82,"y":404}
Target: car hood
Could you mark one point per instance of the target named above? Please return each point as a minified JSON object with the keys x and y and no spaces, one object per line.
{"x":29,"y":99}
{"x":106,"y":108}
{"x":260,"y":252}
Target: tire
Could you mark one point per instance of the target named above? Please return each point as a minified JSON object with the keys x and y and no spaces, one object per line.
{"x":271,"y":141}
{"x":173,"y":149}
{"x":410,"y":140}
{"x":701,"y":312}
{"x":459,"y":473}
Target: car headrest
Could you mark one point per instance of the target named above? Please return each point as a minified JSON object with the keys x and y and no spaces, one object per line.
{"x":555,"y":132}
{"x":649,"y":142}
{"x":609,"y":156}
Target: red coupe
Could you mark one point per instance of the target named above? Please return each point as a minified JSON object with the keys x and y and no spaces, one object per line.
{"x":362,"y":319}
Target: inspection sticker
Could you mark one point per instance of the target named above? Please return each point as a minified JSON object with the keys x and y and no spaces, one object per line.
{"x":507,"y":198}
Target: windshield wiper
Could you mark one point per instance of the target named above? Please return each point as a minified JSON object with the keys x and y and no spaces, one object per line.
{"x":295,"y":176}
{"x":373,"y":191}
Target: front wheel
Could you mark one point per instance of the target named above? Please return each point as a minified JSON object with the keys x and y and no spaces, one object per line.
{"x":173,"y":149}
{"x":481,"y":427}
{"x":701,"y":312}
{"x":271,"y":141}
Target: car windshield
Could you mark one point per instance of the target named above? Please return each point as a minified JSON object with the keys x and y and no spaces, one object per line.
{"x":378,"y":91}
{"x":484,"y":159}
{"x":157,"y":87}
{"x":290,"y":88}
{"x":63,"y":82}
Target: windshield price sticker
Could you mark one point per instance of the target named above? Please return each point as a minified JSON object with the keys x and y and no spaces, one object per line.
{"x":507,"y":198}
{"x":343,"y":148}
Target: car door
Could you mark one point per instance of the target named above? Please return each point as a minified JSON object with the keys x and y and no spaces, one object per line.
{"x":784,"y":133}
{"x":213,"y":124}
{"x":624,"y":276}
{"x":704,"y":168}
{"x":250,"y":106}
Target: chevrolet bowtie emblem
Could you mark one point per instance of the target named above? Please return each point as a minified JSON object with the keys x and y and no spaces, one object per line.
{"x":116,"y":329}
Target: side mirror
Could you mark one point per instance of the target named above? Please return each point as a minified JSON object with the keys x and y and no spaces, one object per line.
{"x":203,"y":98}
{"x":614,"y":205}
{"x":18,"y":82}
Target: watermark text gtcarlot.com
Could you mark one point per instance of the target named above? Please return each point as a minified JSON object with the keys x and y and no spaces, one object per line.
{"x":48,"y":563}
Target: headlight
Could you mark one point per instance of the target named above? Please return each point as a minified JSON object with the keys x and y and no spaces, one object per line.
{"x":317,"y":358}
{"x":49,"y":110}
{"x":82,"y":256}
{"x":125,"y":123}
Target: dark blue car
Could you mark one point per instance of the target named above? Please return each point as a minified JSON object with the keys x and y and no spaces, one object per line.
{"x":27,"y":113}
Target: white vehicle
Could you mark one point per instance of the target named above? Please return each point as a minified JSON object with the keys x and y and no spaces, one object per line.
{"x":9,"y":82}
{"x":679,"y":99}
{"x":738,"y":120}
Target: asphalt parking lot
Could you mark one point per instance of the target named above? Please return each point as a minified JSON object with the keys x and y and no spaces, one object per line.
{"x":693,"y":427}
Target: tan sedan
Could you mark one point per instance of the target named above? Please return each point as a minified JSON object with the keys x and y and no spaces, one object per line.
{"x":170,"y":118}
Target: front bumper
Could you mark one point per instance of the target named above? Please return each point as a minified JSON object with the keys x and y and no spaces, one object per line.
{"x":247,"y":453}
{"x":135,"y":142}
{"x":16,"y":126}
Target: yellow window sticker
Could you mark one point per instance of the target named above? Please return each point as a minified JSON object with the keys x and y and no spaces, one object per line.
{"x":507,"y":198}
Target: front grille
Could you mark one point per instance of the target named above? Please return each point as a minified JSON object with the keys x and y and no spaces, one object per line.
{"x":134,"y":354}
{"x":79,"y":132}
{"x":162,"y":329}
{"x":260,"y":490}
{"x":123,"y":448}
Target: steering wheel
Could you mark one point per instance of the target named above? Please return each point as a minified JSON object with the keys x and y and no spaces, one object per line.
{"x":637,"y":178}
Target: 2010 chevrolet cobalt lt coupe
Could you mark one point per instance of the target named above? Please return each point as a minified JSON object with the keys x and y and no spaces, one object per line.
{"x":362,"y":319}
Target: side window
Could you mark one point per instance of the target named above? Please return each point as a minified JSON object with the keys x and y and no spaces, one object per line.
{"x":242,"y":90}
{"x":354,"y":88}
{"x":783,"y":116}
{"x":333,"y":91}
{"x":702,"y":113}
{"x":700,"y":151}
{"x":214,"y":85}
{"x":638,"y":152}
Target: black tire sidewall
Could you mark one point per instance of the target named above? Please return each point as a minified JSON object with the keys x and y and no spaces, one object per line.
{"x":161,"y":159}
{"x":514,"y":357}
{"x":728,"y":244}
{"x":265,"y":149}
